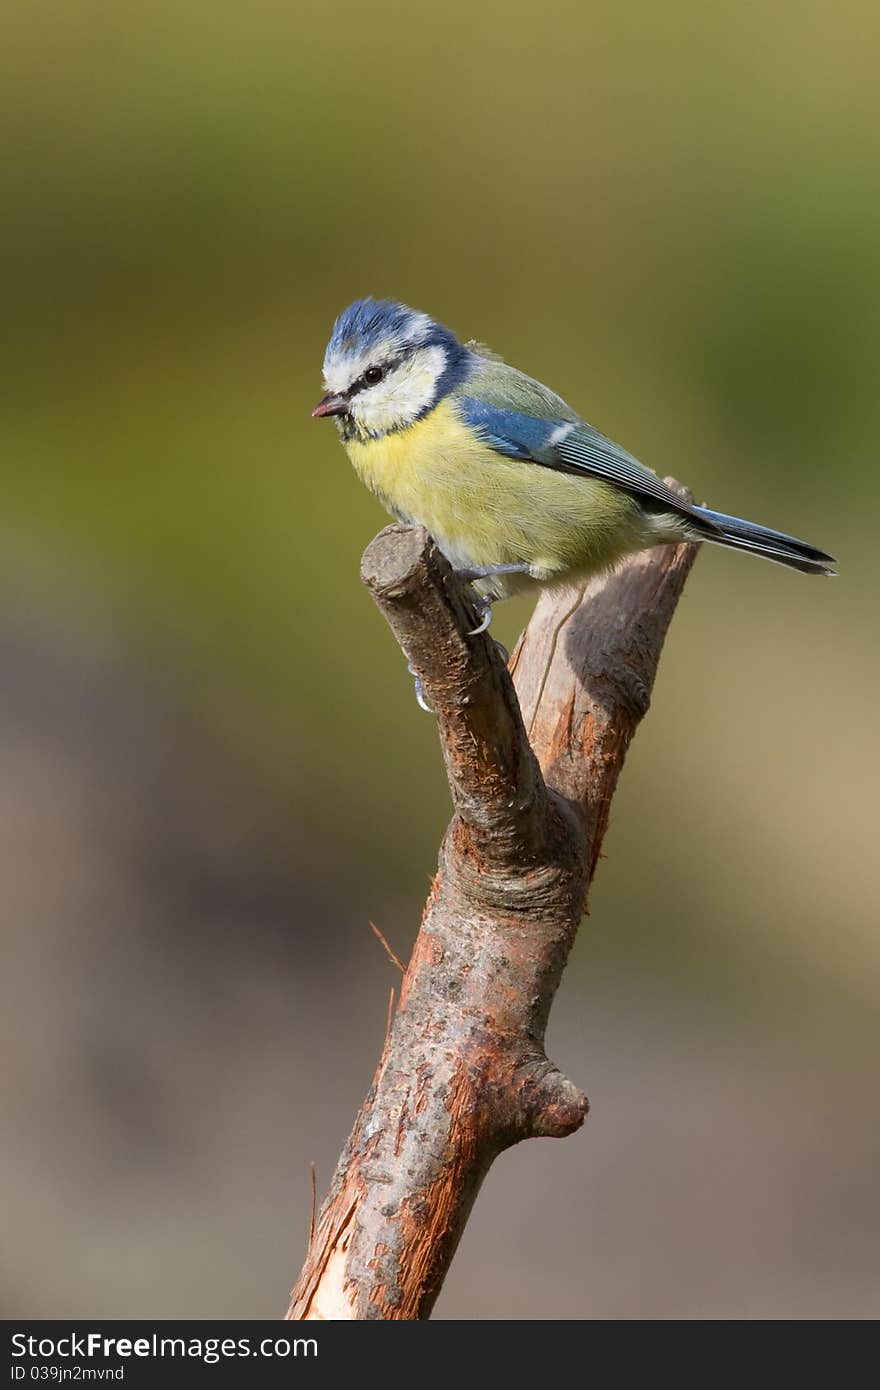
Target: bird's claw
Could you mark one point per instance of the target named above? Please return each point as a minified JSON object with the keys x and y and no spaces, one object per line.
{"x":417,"y":680}
{"x":420,"y":689}
{"x":482,"y":605}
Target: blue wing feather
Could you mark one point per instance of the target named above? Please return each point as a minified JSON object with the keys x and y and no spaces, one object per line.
{"x":509,"y":432}
{"x":571,"y":447}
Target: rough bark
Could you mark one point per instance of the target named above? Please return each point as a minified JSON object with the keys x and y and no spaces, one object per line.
{"x":532,"y":763}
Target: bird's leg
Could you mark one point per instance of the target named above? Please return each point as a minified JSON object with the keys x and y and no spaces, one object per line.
{"x":482,"y":604}
{"x":487,"y":571}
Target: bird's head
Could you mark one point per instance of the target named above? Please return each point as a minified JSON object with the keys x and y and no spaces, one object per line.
{"x":386,"y":366}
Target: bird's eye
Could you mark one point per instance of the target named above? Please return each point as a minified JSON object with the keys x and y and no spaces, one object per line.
{"x":372,"y":375}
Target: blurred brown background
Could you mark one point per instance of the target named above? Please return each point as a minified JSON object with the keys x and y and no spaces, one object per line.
{"x":214,"y":773}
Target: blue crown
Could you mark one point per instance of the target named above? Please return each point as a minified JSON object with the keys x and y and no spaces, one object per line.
{"x":368,"y":322}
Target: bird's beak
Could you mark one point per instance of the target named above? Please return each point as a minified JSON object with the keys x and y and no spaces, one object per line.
{"x":330,"y":405}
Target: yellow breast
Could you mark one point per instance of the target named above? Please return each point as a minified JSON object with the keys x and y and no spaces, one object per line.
{"x":419,"y":472}
{"x":485,"y":509}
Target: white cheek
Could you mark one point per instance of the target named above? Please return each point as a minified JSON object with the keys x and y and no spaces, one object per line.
{"x":403,"y":395}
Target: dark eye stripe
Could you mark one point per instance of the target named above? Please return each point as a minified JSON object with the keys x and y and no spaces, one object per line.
{"x":363,"y":381}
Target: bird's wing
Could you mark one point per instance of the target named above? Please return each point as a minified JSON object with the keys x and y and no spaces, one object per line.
{"x":520,"y":418}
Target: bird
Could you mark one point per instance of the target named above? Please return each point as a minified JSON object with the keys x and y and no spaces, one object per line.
{"x":516,"y":488}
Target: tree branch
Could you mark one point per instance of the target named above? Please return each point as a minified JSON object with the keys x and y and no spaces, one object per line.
{"x":532,"y":769}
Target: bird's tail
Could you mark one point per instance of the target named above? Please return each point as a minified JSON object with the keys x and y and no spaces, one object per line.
{"x":760,"y":540}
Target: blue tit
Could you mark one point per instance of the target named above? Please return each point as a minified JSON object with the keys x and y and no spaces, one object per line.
{"x":514,"y":486}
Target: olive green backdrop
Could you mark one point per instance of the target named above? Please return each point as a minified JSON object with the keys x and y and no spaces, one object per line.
{"x":215,"y":773}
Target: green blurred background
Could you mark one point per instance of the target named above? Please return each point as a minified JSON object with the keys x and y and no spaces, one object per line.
{"x":214,"y":772}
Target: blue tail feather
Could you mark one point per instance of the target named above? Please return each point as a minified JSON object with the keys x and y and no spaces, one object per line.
{"x":760,"y":540}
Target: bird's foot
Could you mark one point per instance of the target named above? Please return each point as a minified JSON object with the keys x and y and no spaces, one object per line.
{"x":483,"y":604}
